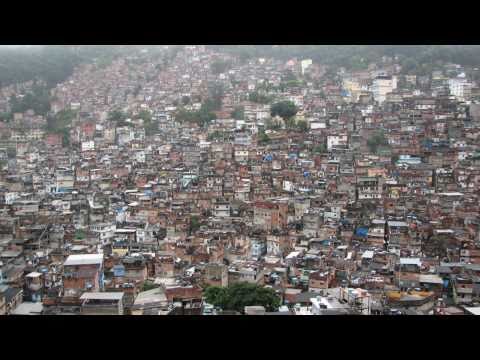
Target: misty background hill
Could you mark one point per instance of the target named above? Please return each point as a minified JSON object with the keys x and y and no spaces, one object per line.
{"x":54,"y":64}
{"x":416,"y":58}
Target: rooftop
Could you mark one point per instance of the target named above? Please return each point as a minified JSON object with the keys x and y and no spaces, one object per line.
{"x":84,"y":259}
{"x":28,"y":308}
{"x":410,"y":261}
{"x":473,"y":310}
{"x":102,"y":296}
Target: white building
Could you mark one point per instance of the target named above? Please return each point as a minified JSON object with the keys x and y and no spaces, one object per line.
{"x":124,"y":135}
{"x":332,"y":212}
{"x":262,"y":114}
{"x":288,"y":186}
{"x":305,"y":64}
{"x":358,"y":298}
{"x":10,"y":197}
{"x":318,"y":124}
{"x":88,"y":145}
{"x":353,"y":88}
{"x":106,"y":231}
{"x":241,"y":155}
{"x":338,"y":301}
{"x":140,"y":156}
{"x":382,"y":85}
{"x":336,"y":140}
{"x":459,"y":87}
{"x":221,"y":210}
{"x":297,"y":100}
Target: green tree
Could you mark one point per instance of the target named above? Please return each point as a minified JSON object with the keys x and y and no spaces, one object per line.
{"x":284,"y":109}
{"x":435,"y":245}
{"x":219,"y":66}
{"x":216,"y":94}
{"x":259,"y":98}
{"x":217,"y":296}
{"x":357,"y":62}
{"x":203,"y":117}
{"x":137,"y":89}
{"x":216,"y":135}
{"x":194,"y":224}
{"x":79,"y":234}
{"x":145,"y":115}
{"x":394,"y":159}
{"x":148,"y":285}
{"x":6,"y":117}
{"x":238,"y":113}
{"x":52,"y":64}
{"x":116,"y":115}
{"x":183,"y":115}
{"x":290,"y":123}
{"x":289,"y":76}
{"x":302,"y":126}
{"x":11,"y":152}
{"x":119,"y":117}
{"x":208,"y":105}
{"x":409,"y":65}
{"x":37,"y":100}
{"x":376,"y":140}
{"x":150,"y":126}
{"x":186,"y":100}
{"x":60,"y":122}
{"x":290,"y":84}
{"x":244,"y":56}
{"x":265,"y":86}
{"x":65,"y":137}
{"x":263,"y":138}
{"x":237,"y":296}
{"x":271,"y":124}
{"x":289,"y":80}
{"x":320,"y":149}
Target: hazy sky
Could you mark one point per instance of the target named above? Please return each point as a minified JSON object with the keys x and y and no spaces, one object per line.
{"x":16,"y":46}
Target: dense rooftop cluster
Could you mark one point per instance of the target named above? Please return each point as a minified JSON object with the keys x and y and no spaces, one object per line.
{"x":192,"y":181}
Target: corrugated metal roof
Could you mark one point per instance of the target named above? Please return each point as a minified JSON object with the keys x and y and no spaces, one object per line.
{"x":410,"y":261}
{"x":431,"y":279}
{"x":84,"y":259}
{"x":102,"y":296}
